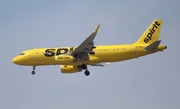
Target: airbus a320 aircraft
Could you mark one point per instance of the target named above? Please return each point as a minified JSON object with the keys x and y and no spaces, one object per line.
{"x":76,"y":59}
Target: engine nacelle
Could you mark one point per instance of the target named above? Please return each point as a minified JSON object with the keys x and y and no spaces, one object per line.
{"x":70,"y":69}
{"x":64,"y":59}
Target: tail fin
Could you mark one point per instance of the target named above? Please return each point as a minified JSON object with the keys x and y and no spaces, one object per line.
{"x":151,"y":34}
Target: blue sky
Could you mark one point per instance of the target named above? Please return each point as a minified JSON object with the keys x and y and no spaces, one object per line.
{"x":144,"y":83}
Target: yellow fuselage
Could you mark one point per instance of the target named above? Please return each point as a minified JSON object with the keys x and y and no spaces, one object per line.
{"x":100,"y":54}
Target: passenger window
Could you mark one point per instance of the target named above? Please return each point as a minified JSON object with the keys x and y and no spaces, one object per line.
{"x":22,"y":54}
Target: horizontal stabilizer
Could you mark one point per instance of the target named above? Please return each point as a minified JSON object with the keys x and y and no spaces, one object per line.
{"x":153,"y":45}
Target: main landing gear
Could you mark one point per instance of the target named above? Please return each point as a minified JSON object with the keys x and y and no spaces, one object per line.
{"x":33,"y":72}
{"x":86,"y":72}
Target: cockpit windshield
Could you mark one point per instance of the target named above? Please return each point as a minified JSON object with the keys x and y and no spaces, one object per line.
{"x":22,"y":54}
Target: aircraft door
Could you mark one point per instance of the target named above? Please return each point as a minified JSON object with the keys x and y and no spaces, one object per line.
{"x":133,"y":49}
{"x":32,"y":54}
{"x":32,"y":60}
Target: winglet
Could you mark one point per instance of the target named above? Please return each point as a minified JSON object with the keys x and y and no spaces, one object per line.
{"x":97,"y":29}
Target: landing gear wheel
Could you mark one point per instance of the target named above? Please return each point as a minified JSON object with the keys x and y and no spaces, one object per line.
{"x":33,"y":72}
{"x":86,"y":72}
{"x":84,"y":67}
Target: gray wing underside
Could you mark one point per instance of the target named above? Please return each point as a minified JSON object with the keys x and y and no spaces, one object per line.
{"x":86,"y":46}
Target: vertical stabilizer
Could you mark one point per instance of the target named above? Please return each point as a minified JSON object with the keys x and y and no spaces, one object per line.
{"x":151,"y":34}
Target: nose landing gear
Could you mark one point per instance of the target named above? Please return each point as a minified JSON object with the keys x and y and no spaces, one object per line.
{"x":33,"y":72}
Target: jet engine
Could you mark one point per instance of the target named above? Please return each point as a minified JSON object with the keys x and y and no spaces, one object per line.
{"x":65,"y":59}
{"x":70,"y":69}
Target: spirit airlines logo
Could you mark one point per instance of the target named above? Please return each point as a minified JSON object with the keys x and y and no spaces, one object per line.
{"x":156,"y":24}
{"x":60,"y":51}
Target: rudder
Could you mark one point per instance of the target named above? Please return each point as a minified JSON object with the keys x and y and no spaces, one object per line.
{"x":151,"y":34}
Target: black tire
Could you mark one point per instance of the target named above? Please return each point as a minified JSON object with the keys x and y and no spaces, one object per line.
{"x":33,"y":72}
{"x":87,"y":73}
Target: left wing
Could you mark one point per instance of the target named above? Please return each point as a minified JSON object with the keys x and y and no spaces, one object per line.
{"x":100,"y":64}
{"x":86,"y":47}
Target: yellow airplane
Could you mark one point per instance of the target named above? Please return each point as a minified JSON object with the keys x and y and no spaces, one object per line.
{"x":76,"y":59}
